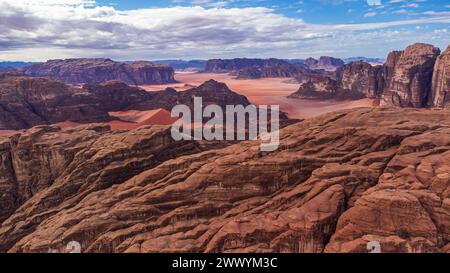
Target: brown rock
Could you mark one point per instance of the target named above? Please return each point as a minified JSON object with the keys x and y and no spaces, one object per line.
{"x":331,"y":186}
{"x":440,"y":90}
{"x":80,"y":71}
{"x":361,"y":77}
{"x":410,"y":83}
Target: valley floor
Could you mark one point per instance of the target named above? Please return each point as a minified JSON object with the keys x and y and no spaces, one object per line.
{"x":267,"y":91}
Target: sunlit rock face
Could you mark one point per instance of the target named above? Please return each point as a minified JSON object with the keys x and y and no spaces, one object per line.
{"x":336,"y":183}
{"x":410,"y":80}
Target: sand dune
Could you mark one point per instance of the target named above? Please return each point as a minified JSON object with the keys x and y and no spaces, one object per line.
{"x":266,"y":91}
{"x":151,"y":117}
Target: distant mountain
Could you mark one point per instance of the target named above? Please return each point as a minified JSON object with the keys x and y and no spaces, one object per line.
{"x":364,"y":59}
{"x":82,"y":71}
{"x":16,"y":65}
{"x":295,"y":61}
{"x":192,"y":65}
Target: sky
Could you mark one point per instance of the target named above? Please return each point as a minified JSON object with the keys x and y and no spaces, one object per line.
{"x":38,"y":30}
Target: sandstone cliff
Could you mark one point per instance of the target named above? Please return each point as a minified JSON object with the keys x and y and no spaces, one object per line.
{"x":80,"y":71}
{"x":27,"y":102}
{"x":363,"y":78}
{"x":337,"y":182}
{"x":325,"y":63}
{"x":410,"y":83}
{"x":440,"y":89}
{"x":409,"y":78}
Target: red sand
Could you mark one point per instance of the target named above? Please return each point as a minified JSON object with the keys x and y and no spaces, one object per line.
{"x":131,"y":119}
{"x":7,"y":132}
{"x":267,"y":91}
{"x":151,"y":117}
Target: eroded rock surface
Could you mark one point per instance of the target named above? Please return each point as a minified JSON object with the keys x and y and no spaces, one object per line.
{"x":410,"y":83}
{"x":337,"y":182}
{"x":81,"y":71}
{"x":440,"y":89}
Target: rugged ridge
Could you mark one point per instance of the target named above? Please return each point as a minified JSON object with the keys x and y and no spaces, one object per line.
{"x":81,"y":71}
{"x":275,"y":71}
{"x":409,"y":78}
{"x":410,"y":84}
{"x":234,"y":65}
{"x":325,"y":63}
{"x":26,"y":102}
{"x":440,"y":89}
{"x":337,"y":182}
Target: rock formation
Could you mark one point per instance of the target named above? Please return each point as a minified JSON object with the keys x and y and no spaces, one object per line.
{"x":81,"y":71}
{"x":275,"y":71}
{"x":361,"y":77}
{"x":337,"y":182}
{"x":325,"y":63}
{"x":4,"y":69}
{"x":316,"y":87}
{"x":26,"y":102}
{"x":409,"y":78}
{"x":440,"y":88}
{"x":410,"y":83}
{"x":234,"y":65}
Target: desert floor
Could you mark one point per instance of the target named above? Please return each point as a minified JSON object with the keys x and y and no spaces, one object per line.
{"x":268,"y":91}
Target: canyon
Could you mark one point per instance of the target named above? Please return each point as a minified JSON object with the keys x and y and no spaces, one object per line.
{"x":337,"y":182}
{"x":89,"y":157}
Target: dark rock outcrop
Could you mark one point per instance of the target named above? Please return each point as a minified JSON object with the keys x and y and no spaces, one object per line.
{"x":325,"y":63}
{"x":361,"y":77}
{"x":4,"y":69}
{"x":440,"y":88}
{"x":409,"y":78}
{"x":337,"y":182}
{"x":234,"y":65}
{"x":81,"y":71}
{"x":26,"y":102}
{"x":316,"y":87}
{"x":409,"y":84}
{"x":276,"y":71}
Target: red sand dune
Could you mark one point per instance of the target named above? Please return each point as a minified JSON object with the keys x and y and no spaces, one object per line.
{"x":267,"y":91}
{"x":133,"y":118}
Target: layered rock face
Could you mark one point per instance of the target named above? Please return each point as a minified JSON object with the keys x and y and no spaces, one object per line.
{"x":362,"y":78}
{"x":277,"y":71}
{"x":440,"y":88}
{"x":233,"y":65}
{"x":337,"y":182}
{"x":27,"y":102}
{"x":81,"y":71}
{"x":4,"y":69}
{"x":325,"y":63}
{"x":350,"y":82}
{"x":316,"y":87}
{"x":410,"y":83}
{"x":409,"y":78}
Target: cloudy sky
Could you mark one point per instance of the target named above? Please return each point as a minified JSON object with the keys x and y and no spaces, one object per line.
{"x":37,"y":30}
